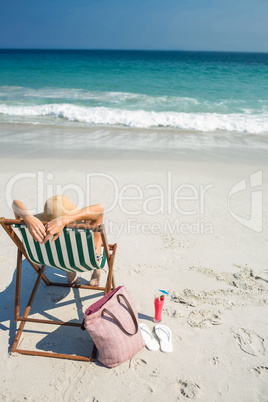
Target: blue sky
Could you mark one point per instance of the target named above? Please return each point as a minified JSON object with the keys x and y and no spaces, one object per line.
{"x":234,"y":25}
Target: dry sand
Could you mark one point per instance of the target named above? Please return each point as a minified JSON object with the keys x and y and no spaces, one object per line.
{"x":217,"y":278}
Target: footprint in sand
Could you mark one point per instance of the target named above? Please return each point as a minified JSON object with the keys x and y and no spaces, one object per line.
{"x":173,"y":243}
{"x":154,"y":373}
{"x":138,"y":363}
{"x":188,"y":389}
{"x":56,"y":296}
{"x":48,"y":346}
{"x":250,"y":342}
{"x":214,"y":361}
{"x":260,"y":370}
{"x":204,"y":318}
{"x":171,"y":312}
{"x":186,"y":297}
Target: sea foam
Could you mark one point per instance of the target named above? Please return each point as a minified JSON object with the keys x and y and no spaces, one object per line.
{"x":204,"y":122}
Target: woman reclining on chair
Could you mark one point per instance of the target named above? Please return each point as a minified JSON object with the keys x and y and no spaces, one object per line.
{"x":59,"y":211}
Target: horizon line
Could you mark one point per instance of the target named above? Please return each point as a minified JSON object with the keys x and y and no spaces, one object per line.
{"x":133,"y":50}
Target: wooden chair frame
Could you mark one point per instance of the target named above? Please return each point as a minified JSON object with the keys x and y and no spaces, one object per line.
{"x":110,"y":250}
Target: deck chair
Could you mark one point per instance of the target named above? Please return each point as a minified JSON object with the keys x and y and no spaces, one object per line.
{"x":74,"y":250}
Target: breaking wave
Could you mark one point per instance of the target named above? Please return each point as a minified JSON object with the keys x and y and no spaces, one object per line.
{"x":107,"y":116}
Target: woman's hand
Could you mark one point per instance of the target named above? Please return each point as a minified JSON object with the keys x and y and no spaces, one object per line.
{"x":36,"y":228}
{"x":54,"y":228}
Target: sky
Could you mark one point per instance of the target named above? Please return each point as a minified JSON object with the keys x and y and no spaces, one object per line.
{"x":223,"y":25}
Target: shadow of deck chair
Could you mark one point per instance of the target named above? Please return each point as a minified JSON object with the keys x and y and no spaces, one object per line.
{"x":74,"y":250}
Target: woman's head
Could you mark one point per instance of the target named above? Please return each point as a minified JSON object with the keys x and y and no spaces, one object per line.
{"x":57,"y":206}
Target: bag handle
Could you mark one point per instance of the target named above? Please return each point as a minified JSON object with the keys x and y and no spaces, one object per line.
{"x":130,"y":311}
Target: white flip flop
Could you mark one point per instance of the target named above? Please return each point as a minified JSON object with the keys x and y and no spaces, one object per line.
{"x":150,"y":341}
{"x":163,"y":334}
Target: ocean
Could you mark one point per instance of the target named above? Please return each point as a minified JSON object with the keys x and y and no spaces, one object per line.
{"x":81,"y":101}
{"x":188,"y":91}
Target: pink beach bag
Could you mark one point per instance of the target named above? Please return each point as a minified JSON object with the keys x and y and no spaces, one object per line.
{"x":112,"y":323}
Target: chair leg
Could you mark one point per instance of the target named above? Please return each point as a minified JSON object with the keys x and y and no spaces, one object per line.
{"x":113,"y":282}
{"x":24,"y":319}
{"x":55,"y":355}
{"x":110,"y":277}
{"x":94,"y":353}
{"x":27,"y":310}
{"x":18,"y":286}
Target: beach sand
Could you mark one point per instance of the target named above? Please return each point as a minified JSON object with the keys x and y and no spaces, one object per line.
{"x":213,"y":266}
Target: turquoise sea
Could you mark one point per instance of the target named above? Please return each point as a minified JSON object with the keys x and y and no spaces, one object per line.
{"x":184,"y":91}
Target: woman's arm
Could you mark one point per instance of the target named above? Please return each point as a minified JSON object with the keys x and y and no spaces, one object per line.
{"x":35,"y":226}
{"x":94,"y":214}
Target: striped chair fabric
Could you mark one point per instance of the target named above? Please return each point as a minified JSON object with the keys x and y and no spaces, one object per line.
{"x":74,"y":250}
